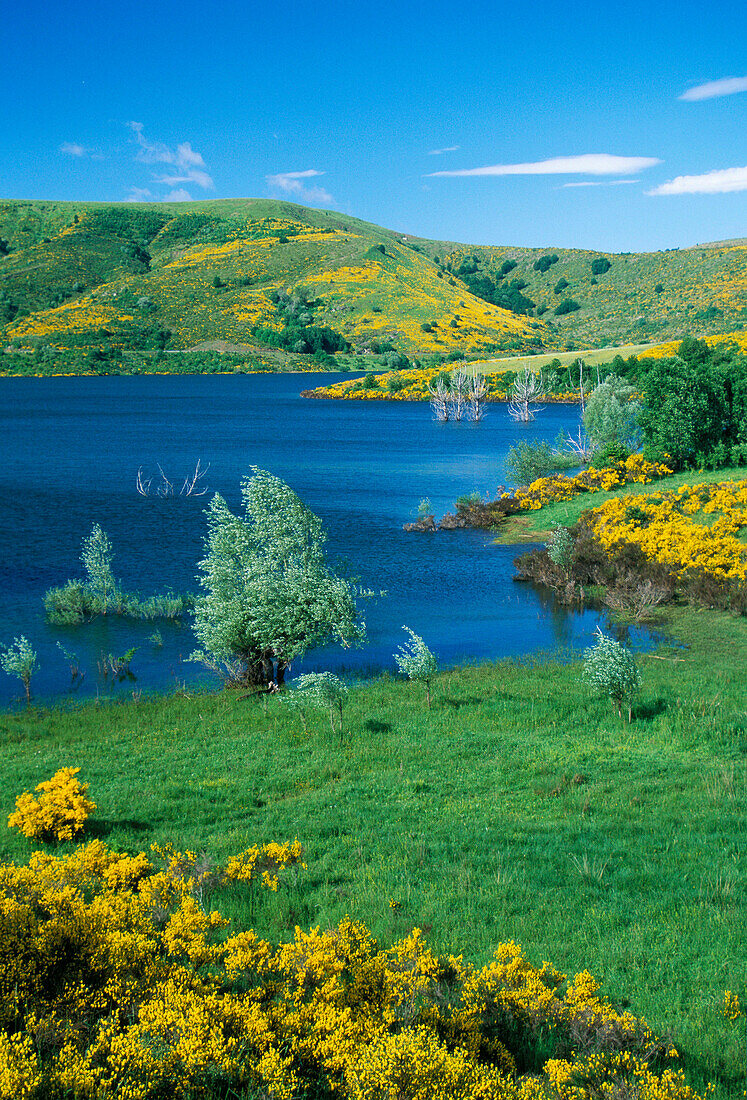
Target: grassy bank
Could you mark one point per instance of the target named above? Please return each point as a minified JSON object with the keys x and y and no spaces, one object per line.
{"x":535,"y":526}
{"x":518,"y":807}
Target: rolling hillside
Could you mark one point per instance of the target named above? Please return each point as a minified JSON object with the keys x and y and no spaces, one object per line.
{"x":276,"y":281}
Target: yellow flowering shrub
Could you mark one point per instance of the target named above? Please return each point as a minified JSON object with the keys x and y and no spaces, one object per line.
{"x":547,"y":490}
{"x":691,"y":529}
{"x":59,"y":812}
{"x":117,"y":980}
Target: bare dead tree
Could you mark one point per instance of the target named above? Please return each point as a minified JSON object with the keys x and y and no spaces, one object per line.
{"x":525,"y":390}
{"x":190,"y":486}
{"x":440,"y":403}
{"x":476,"y":396}
{"x":579,"y":444}
{"x":166,"y":488}
{"x":458,"y":389}
{"x":143,"y":487}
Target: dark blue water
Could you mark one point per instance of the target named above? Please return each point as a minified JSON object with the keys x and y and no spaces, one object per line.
{"x":71,"y":451}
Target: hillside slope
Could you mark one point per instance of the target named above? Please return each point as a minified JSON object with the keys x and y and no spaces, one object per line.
{"x":180,"y":275}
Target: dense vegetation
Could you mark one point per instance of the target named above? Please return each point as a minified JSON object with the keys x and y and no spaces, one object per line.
{"x":113,"y":286}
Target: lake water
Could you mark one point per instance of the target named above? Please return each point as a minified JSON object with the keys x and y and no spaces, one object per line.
{"x":71,"y":451}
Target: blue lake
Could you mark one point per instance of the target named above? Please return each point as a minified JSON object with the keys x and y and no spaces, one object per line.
{"x":71,"y":451}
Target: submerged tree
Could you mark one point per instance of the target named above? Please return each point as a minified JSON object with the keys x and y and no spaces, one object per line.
{"x":269,"y":594}
{"x":527,"y":388}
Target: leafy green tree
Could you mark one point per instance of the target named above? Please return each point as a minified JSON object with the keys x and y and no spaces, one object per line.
{"x":415,"y":661}
{"x":611,"y":419}
{"x":269,"y":594}
{"x":611,"y":670}
{"x":19,"y":659}
{"x":560,"y":547}
{"x":685,"y":411}
{"x":600,"y":266}
{"x":322,"y":691}
{"x":97,"y":556}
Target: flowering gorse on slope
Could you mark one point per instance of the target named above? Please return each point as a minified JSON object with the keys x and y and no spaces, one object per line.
{"x":694,"y":528}
{"x":116,"y":980}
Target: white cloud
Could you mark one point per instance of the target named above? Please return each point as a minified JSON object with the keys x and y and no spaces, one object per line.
{"x":139,"y":194}
{"x":188,"y":162}
{"x":292,"y":183}
{"x":592,"y":164}
{"x":730,"y":85}
{"x":599,"y":183}
{"x":446,"y":149}
{"x":180,"y":195}
{"x":720,"y":181}
{"x":73,"y":149}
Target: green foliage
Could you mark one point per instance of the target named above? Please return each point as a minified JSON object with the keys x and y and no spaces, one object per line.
{"x":544,"y":263}
{"x":611,"y":418}
{"x":78,"y":601}
{"x":415,"y":661}
{"x":425,"y":508}
{"x":526,"y":461}
{"x":560,"y":546}
{"x":19,"y":659}
{"x":694,"y":402}
{"x":370,"y":381}
{"x":97,"y":556}
{"x":568,"y":305}
{"x":322,"y":691}
{"x":610,"y":669}
{"x":269,"y":594}
{"x":560,"y":286}
{"x":600,"y":266}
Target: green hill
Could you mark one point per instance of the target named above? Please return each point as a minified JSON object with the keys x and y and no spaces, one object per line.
{"x":275,"y":281}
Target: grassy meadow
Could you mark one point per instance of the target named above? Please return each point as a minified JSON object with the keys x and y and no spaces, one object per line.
{"x":518,"y":807}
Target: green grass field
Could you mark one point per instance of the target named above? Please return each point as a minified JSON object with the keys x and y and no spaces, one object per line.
{"x":519,"y":807}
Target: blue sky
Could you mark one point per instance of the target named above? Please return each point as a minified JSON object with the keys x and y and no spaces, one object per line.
{"x":619,"y":128}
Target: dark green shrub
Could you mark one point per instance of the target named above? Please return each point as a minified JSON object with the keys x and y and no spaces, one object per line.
{"x":560,"y":286}
{"x":544,"y":263}
{"x":568,"y":305}
{"x":600,"y":265}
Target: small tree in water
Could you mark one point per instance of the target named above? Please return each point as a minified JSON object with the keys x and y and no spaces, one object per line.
{"x":415,"y":661}
{"x":610,"y":668}
{"x":97,"y":556}
{"x":19,"y":659}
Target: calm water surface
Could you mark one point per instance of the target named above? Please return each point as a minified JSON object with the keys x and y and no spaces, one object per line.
{"x":71,"y":451}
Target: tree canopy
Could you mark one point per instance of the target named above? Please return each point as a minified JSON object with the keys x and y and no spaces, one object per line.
{"x":269,"y":593}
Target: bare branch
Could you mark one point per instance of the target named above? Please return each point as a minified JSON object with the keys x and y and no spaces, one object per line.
{"x":189,"y":488}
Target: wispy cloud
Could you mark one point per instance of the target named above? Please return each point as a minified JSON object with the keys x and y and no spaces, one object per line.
{"x":139,"y":194}
{"x":73,"y":149}
{"x":446,"y":149}
{"x":599,"y":183}
{"x":720,"y":181}
{"x":187,"y":162}
{"x":293,"y":183}
{"x":179,"y":195}
{"x":592,"y":164}
{"x":730,"y":85}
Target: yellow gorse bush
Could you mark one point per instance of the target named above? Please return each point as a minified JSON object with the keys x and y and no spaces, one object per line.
{"x":117,"y":980}
{"x":694,"y":528}
{"x":546,"y":490}
{"x":60,"y":811}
